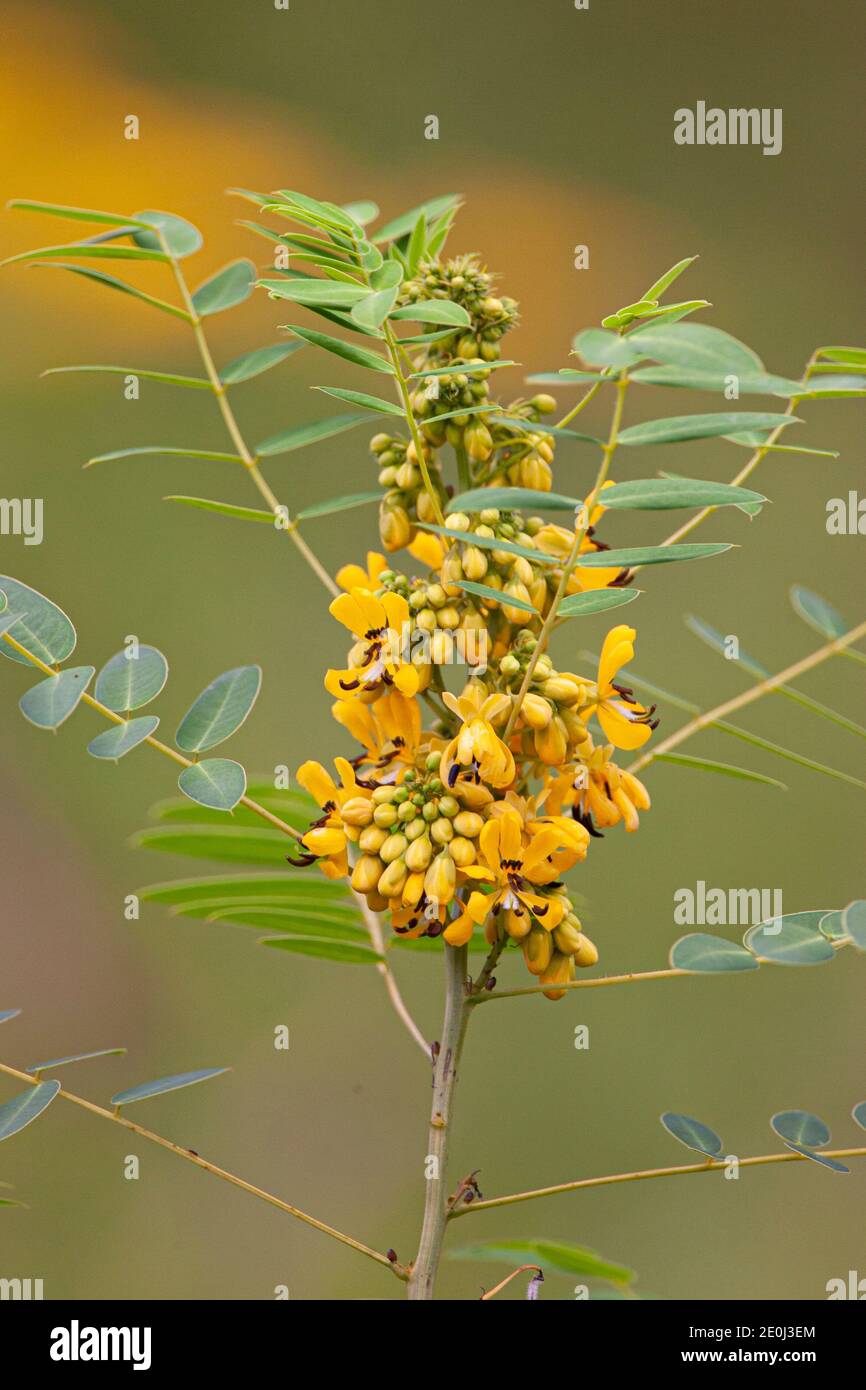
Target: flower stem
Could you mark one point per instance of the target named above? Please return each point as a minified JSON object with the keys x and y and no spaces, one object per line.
{"x":422,"y":1276}
{"x":403,"y":388}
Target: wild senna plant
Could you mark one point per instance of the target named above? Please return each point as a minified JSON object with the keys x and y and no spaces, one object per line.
{"x":483,"y":769}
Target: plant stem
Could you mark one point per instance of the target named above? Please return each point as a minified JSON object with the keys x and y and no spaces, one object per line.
{"x":156,"y":743}
{"x":403,"y":388}
{"x":633,"y":978}
{"x":212,"y":1168}
{"x":422,"y":1275}
{"x":231,"y":424}
{"x":580,"y":533}
{"x":711,"y":1166}
{"x":703,"y":721}
{"x":377,"y":939}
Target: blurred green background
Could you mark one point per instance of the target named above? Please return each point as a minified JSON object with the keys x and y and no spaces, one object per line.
{"x":557,"y":126}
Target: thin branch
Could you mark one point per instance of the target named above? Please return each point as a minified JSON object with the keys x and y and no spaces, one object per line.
{"x":405,"y":401}
{"x":703,"y":721}
{"x":215,"y":1170}
{"x":711,"y":1166}
{"x":377,"y":938}
{"x":231,"y":424}
{"x":634,"y":978}
{"x":156,"y":743}
{"x":515,"y":1273}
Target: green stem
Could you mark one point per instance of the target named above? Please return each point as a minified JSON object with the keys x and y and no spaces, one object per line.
{"x":422,"y":1276}
{"x":403,"y":388}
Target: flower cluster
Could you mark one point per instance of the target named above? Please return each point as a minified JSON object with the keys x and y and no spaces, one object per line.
{"x":465,"y":808}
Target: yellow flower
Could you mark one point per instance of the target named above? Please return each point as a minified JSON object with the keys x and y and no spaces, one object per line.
{"x":572,"y":836}
{"x":599,"y":793}
{"x":353,"y":577}
{"x":514,"y":869}
{"x":427,"y":549}
{"x":380,"y":626}
{"x":626,"y":723}
{"x":477,"y":747}
{"x":327,"y":839}
{"x":390,"y":731}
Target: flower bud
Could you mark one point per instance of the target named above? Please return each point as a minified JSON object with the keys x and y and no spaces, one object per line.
{"x":478,"y":442}
{"x":393,"y":848}
{"x":395,"y":529}
{"x":516,"y":590}
{"x":536,"y":711}
{"x":475,"y":563}
{"x":558,"y":972}
{"x":468,"y":823}
{"x":562,"y":690}
{"x":448,"y":806}
{"x":462,"y":851}
{"x":371,"y":839}
{"x":448,"y":617}
{"x":385,"y":816}
{"x":419,"y":854}
{"x":441,"y":831}
{"x":393,"y":879}
{"x":425,"y":506}
{"x":416,"y":828}
{"x":366,"y":873}
{"x":537,"y":950}
{"x":586,"y":953}
{"x":441,"y":648}
{"x":551,"y":744}
{"x":517,"y":924}
{"x":440,"y":879}
{"x":358,"y":810}
{"x":457,"y":521}
{"x":544,"y":404}
{"x":413,"y":889}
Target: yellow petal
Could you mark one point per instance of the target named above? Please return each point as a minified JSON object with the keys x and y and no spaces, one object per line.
{"x":616,"y":652}
{"x":352,"y":577}
{"x":407,"y":680}
{"x":427,"y":550}
{"x":623,"y":732}
{"x":315,"y":780}
{"x":325,"y":839}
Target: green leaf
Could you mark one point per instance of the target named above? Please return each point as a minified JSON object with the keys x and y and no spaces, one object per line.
{"x":290,"y":885}
{"x":667,"y":493}
{"x":725,"y":769}
{"x":845,"y":356}
{"x":431,"y":210}
{"x":700,"y":346}
{"x":6,"y":1014}
{"x":363,"y":212}
{"x":514,"y":499}
{"x":817,"y":612}
{"x":854,"y":923}
{"x":566,"y":376}
{"x":464,"y":369}
{"x":665,"y":281}
{"x":196,"y":383}
{"x":159,"y":450}
{"x":490,"y":543}
{"x":180,"y":236}
{"x":497,"y":596}
{"x":338,"y":504}
{"x":77,"y":1057}
{"x":648,"y":555}
{"x":349,"y":351}
{"x":799,"y":1127}
{"x":108,"y":219}
{"x":22,"y":1109}
{"x":217,"y":782}
{"x":129,"y":680}
{"x":823,"y":1159}
{"x":225,"y":509}
{"x":601,"y":348}
{"x":697,"y":379}
{"x":85,"y":251}
{"x":230,"y":286}
{"x":299,"y":436}
{"x":417,"y":244}
{"x":692,"y":1133}
{"x":251,"y":364}
{"x":166,"y":1083}
{"x":372,"y":312}
{"x":434,"y":311}
{"x":334,"y":924}
{"x":858,"y":1114}
{"x":838,"y":386}
{"x":360,"y":398}
{"x":229,"y":843}
{"x":790,"y":940}
{"x":115,"y":743}
{"x":42,"y":627}
{"x":703,"y":954}
{"x":111,"y":282}
{"x":296,"y":808}
{"x":551,"y":1255}
{"x":682,"y":427}
{"x":50,"y":703}
{"x":220,"y":710}
{"x":346,"y":952}
{"x":595,"y":601}
{"x":332,"y":294}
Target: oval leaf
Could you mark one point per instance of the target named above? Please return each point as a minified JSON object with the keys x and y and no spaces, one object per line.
{"x":434,"y":311}
{"x":131,"y":678}
{"x":666,"y":494}
{"x":180,"y":236}
{"x":710,"y":955}
{"x":858,"y":1114}
{"x":790,"y":940}
{"x":514,"y":499}
{"x":299,"y":436}
{"x":692,"y":1133}
{"x":219,"y":710}
{"x":350,"y":352}
{"x":681,"y":427}
{"x":234,"y":844}
{"x":251,"y":364}
{"x":823,"y":1159}
{"x":166,"y":1083}
{"x":334,"y":294}
{"x":697,"y":345}
{"x":50,"y":703}
{"x":817,"y":612}
{"x":230,"y":286}
{"x":22,"y":1109}
{"x":360,"y":398}
{"x":566,"y":1259}
{"x":117,"y":742}
{"x":216,"y":782}
{"x":648,"y":555}
{"x":245,"y":887}
{"x":42,"y":627}
{"x":595,"y":601}
{"x":77,"y":1057}
{"x":338,"y":504}
{"x":601,"y":348}
{"x":799,"y":1127}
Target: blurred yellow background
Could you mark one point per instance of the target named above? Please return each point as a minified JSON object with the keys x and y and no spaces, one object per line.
{"x":557,"y":126}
